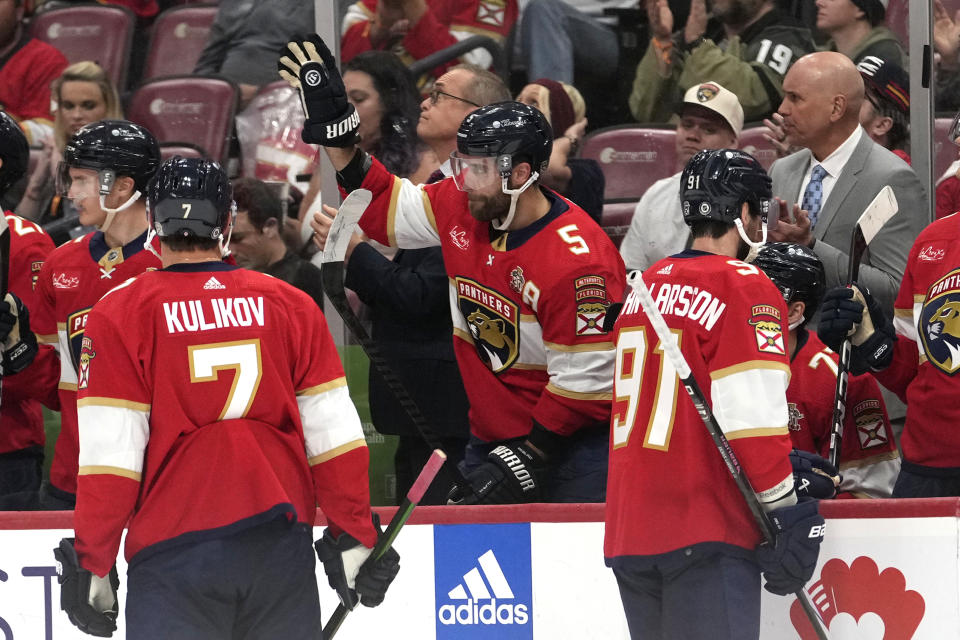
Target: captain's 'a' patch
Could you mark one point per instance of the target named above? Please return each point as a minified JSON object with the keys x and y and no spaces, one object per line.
{"x":765,"y":320}
{"x":592,"y":304}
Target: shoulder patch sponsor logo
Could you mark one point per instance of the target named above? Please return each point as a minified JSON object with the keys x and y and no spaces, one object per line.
{"x":592,"y":304}
{"x":213,"y":283}
{"x":64,"y":281}
{"x":939,"y":324}
{"x":459,"y":238}
{"x":484,"y":582}
{"x":86,"y":355}
{"x":765,"y":320}
{"x":868,"y":416}
{"x":932,"y":253}
{"x":492,"y":319}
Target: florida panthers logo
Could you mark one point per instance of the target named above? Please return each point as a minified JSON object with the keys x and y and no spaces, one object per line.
{"x":492,"y":322}
{"x":939,"y":323}
{"x":86,"y":355}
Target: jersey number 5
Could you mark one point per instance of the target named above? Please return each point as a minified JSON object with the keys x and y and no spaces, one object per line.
{"x":637,"y":358}
{"x":243,"y":356}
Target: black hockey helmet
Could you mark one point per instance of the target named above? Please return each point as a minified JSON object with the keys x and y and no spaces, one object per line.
{"x":190,"y":197}
{"x":113,"y":148}
{"x":512,"y":132}
{"x":797,"y":272}
{"x":14,"y":152}
{"x":716,"y":182}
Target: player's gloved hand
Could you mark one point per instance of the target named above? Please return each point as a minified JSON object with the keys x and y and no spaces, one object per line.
{"x":350,"y":571}
{"x":307,"y":64}
{"x":872,"y":334}
{"x":814,"y":476}
{"x":509,"y":476}
{"x":19,"y":343}
{"x":89,"y":600}
{"x":789,"y":564}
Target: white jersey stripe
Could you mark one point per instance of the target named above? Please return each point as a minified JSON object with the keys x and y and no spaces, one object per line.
{"x":329,"y":420}
{"x":752,"y":399}
{"x":112,"y":436}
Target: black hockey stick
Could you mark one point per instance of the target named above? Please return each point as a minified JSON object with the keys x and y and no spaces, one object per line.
{"x":4,"y":272}
{"x":669,"y":346}
{"x":429,"y":472}
{"x":880,"y":209}
{"x":331,"y":278}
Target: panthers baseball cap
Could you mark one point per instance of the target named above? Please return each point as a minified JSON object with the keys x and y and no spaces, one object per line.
{"x":712,"y":96}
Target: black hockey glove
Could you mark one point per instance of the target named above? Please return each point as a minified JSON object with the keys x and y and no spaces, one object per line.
{"x":19,"y":343}
{"x":307,"y":64}
{"x":814,"y":476}
{"x":89,"y":600}
{"x":511,"y":475}
{"x":350,"y":571}
{"x":789,"y":564}
{"x":872,"y":334}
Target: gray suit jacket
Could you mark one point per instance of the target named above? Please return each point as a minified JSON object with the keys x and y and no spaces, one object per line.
{"x":869,"y":168}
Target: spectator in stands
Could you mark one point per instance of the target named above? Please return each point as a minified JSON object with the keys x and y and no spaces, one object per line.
{"x":946,"y":43}
{"x":856,"y":30}
{"x":27,"y":67}
{"x":257,"y":243}
{"x":710,"y":118}
{"x":580,"y":180}
{"x":82,"y":94}
{"x":747,"y":48}
{"x":245,"y":37}
{"x":885,"y":114}
{"x":416,"y":28}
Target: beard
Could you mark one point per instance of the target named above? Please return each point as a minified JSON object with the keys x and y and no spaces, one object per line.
{"x":488,"y":208}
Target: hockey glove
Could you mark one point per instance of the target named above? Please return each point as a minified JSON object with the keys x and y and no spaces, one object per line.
{"x":89,"y":600}
{"x":510,"y":475}
{"x":789,"y":564}
{"x":351,"y":572}
{"x":814,"y":476}
{"x":872,"y":334}
{"x":19,"y":343}
{"x":307,"y":64}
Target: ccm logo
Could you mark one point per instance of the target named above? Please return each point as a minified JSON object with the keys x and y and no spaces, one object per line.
{"x":817,"y":531}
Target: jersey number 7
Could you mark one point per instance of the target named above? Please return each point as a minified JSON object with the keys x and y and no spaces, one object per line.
{"x":208,"y":360}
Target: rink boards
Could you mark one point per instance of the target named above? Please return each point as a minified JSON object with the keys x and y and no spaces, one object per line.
{"x":887,"y":569}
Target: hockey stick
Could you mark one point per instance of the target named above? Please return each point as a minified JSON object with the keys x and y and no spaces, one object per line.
{"x":668,"y":342}
{"x":4,"y":272}
{"x":880,"y":209}
{"x":331,"y":278}
{"x":429,"y":472}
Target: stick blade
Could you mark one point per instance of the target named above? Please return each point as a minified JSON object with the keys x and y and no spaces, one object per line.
{"x":343,"y":225}
{"x":881,"y":208}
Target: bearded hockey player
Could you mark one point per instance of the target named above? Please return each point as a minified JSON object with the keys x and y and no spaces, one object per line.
{"x":215,"y":417}
{"x":531,"y":278}
{"x":869,"y":460}
{"x":702,"y":581}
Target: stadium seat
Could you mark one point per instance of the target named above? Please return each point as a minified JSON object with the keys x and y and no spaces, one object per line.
{"x":182,"y":149}
{"x":615,"y":219}
{"x":179,"y":36}
{"x":632,"y":158}
{"x":99,"y":32}
{"x":753,"y":142}
{"x":944,"y":151}
{"x":194,"y":109}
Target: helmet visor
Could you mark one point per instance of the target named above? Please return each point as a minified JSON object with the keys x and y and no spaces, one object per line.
{"x":77,"y":183}
{"x":471,"y":173}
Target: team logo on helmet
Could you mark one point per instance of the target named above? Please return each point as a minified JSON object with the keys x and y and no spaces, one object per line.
{"x":492,"y":322}
{"x":707,"y":92}
{"x":939,"y":325}
{"x":868,"y":416}
{"x":592,"y":304}
{"x":765,"y":320}
{"x":86,"y":355}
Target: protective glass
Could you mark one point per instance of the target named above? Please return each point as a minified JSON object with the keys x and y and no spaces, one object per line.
{"x":472,"y":173}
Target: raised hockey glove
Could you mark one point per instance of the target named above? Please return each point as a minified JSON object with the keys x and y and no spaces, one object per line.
{"x":814,"y":476}
{"x":872,"y":334}
{"x":511,"y":475}
{"x":19,"y":343}
{"x":89,"y":600}
{"x":789,"y":564}
{"x":307,"y":65}
{"x":352,"y":573}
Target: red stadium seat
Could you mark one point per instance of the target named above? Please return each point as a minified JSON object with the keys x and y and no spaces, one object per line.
{"x":179,"y":36}
{"x":632,"y":158}
{"x":944,"y":151}
{"x":753,"y":142}
{"x":615,"y":219}
{"x":98,"y":32}
{"x":184,"y":108}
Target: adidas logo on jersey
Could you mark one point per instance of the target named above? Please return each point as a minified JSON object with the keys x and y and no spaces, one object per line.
{"x":473,"y":592}
{"x":665,"y":270}
{"x":213,"y":283}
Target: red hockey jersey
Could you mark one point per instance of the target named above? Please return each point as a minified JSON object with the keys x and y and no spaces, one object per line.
{"x":927,"y":351}
{"x":869,"y":460}
{"x":211,"y":398}
{"x":21,"y":418}
{"x":527,"y":306}
{"x":729,"y":320}
{"x":25,"y":79}
{"x":73,"y":278}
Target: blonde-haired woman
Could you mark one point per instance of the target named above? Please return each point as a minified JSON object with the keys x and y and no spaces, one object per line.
{"x":82,"y":94}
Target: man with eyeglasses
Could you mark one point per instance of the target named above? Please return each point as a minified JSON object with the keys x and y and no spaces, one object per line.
{"x":531,"y":277}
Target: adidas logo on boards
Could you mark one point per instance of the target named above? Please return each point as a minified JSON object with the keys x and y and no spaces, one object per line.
{"x":213,"y":283}
{"x":472,"y":611}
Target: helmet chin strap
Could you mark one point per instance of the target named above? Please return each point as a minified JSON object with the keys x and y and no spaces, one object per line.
{"x":148,"y":243}
{"x":754,"y":246}
{"x":514,"y":194}
{"x":111,"y":213}
{"x":796,"y":323}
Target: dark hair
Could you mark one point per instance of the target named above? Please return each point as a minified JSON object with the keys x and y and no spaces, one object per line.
{"x":256,"y":198}
{"x":399,"y":147}
{"x":898,"y":137}
{"x":189,"y":243}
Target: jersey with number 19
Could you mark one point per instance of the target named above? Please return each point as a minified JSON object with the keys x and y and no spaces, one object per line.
{"x":664,"y":467}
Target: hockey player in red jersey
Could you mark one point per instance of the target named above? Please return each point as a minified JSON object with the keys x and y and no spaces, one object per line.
{"x":30,"y":371}
{"x":531,"y":278}
{"x":869,"y":460}
{"x":105,"y":171}
{"x":702,"y":580}
{"x":214,"y":416}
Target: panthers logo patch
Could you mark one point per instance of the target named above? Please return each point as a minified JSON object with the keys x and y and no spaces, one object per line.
{"x":492,"y":320}
{"x":939,"y":323}
{"x":86,"y":355}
